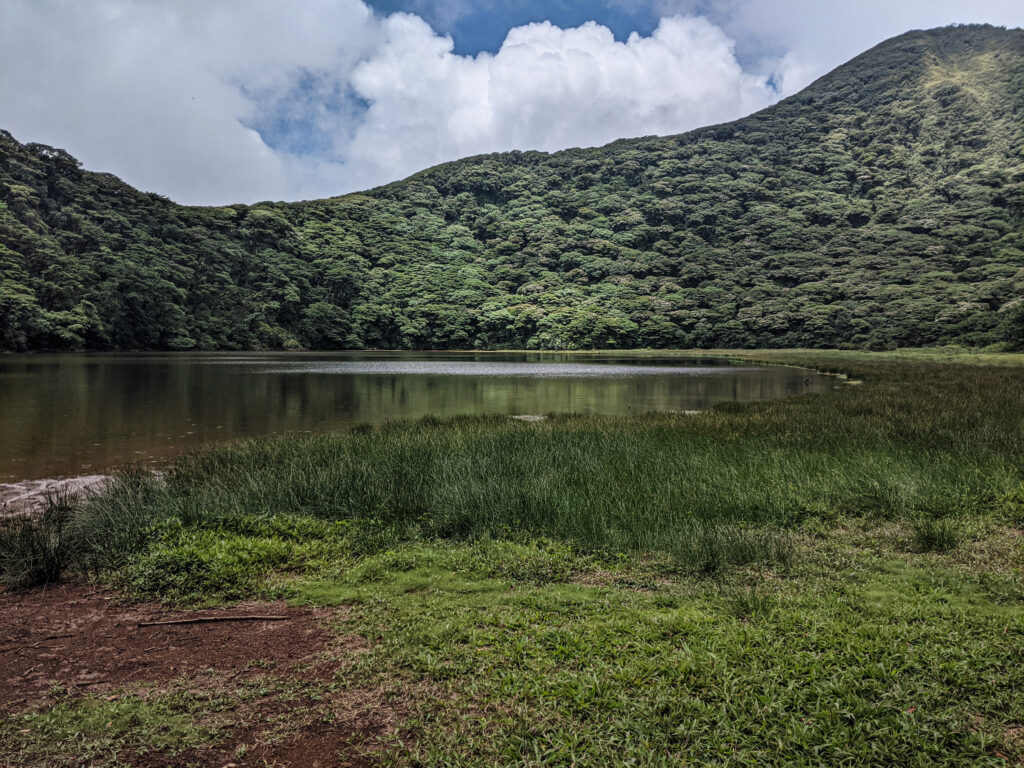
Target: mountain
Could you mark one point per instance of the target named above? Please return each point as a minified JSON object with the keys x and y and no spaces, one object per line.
{"x":881,"y":206}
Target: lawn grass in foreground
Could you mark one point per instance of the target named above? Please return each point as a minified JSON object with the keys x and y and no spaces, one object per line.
{"x":853,"y":658}
{"x":860,"y":653}
{"x":95,"y":730}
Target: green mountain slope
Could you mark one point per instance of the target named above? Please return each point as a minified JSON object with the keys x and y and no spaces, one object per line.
{"x":883,"y":205}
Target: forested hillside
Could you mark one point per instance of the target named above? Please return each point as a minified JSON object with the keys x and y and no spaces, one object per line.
{"x":882,"y":206}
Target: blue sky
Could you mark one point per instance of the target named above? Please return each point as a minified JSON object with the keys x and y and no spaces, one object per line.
{"x":246,"y":100}
{"x":482,"y":25}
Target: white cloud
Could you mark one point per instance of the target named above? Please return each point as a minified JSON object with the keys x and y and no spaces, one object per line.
{"x":803,"y":39}
{"x":167,"y":93}
{"x":546,"y":88}
{"x":161,"y":92}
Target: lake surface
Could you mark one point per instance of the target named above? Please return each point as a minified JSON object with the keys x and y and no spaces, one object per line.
{"x":77,"y":414}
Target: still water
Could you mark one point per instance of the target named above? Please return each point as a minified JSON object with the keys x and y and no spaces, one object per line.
{"x":82,"y":414}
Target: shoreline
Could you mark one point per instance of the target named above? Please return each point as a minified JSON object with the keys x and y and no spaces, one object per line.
{"x":28,"y":497}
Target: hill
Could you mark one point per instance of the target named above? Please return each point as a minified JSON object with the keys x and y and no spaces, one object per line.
{"x":881,"y":206}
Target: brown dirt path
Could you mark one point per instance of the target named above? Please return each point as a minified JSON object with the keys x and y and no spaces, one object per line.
{"x":89,"y":641}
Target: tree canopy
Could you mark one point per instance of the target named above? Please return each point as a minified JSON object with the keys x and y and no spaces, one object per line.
{"x":881,"y":206}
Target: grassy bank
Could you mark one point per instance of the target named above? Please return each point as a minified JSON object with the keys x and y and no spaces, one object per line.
{"x":830,"y":579}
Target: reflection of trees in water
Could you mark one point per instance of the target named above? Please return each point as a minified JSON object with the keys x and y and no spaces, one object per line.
{"x":74,"y":413}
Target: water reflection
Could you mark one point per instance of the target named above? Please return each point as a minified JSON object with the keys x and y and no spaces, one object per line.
{"x":71,"y":414}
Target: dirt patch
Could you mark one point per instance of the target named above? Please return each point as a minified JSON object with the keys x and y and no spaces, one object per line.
{"x":29,"y":497}
{"x":76,"y":637}
{"x":1015,"y":739}
{"x":87,"y":641}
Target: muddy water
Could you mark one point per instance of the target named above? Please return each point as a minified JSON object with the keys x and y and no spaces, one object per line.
{"x":84,"y":414}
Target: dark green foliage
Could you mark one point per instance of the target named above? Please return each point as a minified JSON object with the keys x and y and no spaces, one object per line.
{"x":882,"y":206}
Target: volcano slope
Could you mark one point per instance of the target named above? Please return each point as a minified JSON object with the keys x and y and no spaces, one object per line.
{"x":882,"y":206}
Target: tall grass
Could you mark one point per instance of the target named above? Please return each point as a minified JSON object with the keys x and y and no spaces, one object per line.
{"x":35,"y":551}
{"x":90,"y":534}
{"x":916,"y":441}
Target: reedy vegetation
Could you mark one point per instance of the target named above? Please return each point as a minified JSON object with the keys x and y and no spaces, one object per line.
{"x":883,"y":205}
{"x":934,"y":446}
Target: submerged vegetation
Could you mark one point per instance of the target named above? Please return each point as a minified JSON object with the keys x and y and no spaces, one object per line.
{"x":881,"y":206}
{"x":830,"y":579}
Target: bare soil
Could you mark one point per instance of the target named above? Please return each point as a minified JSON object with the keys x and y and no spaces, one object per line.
{"x":88,"y":641}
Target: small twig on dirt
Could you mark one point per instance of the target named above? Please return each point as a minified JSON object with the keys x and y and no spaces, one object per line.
{"x":212,"y":618}
{"x":83,"y":683}
{"x":57,"y":637}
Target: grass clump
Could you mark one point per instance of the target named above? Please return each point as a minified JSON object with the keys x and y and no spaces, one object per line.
{"x":36,"y":551}
{"x":932,"y":534}
{"x":230,"y":559}
{"x":536,"y":562}
{"x":1011,"y":505}
{"x":752,"y":602}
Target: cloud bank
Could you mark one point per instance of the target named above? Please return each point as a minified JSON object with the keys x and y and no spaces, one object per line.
{"x":546,"y":88}
{"x":245,"y":100}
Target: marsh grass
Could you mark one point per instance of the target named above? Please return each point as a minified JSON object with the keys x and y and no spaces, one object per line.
{"x":919,"y":442}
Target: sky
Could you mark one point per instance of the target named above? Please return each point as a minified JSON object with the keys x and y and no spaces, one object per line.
{"x":211,"y":102}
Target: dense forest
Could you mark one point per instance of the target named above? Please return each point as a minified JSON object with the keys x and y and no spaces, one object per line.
{"x":882,"y":206}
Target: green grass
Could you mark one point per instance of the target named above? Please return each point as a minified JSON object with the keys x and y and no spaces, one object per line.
{"x":37,"y":551}
{"x":111,"y":731}
{"x":862,"y":664}
{"x":939,"y":535}
{"x":827,"y":580}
